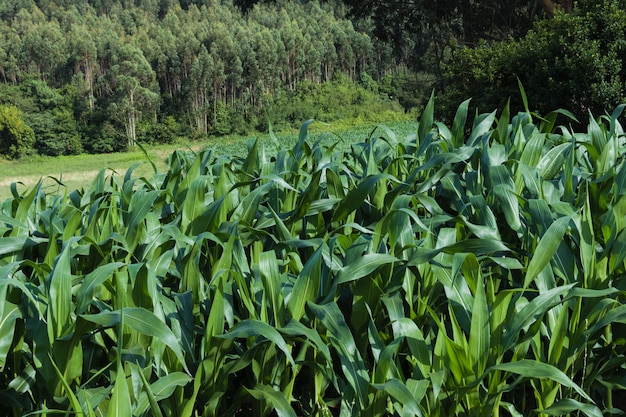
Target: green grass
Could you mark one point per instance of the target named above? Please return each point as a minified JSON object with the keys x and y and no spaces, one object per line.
{"x":467,"y":270}
{"x":79,"y":170}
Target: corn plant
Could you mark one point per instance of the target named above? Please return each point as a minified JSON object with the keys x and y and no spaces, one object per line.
{"x":471,"y":270}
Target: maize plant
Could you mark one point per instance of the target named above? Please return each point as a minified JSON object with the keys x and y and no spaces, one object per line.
{"x":467,"y":270}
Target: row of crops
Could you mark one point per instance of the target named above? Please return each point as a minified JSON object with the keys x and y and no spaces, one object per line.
{"x":467,"y":270}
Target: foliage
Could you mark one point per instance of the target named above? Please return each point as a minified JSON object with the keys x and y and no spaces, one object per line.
{"x":16,"y":137}
{"x":339,"y":99}
{"x":427,"y":31}
{"x":441,"y":274}
{"x":117,"y":66}
{"x":572,"y":60}
{"x":55,"y":133}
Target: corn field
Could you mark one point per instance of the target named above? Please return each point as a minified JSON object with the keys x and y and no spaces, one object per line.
{"x":467,"y":270}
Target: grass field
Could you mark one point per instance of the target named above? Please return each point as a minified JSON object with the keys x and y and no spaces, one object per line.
{"x":73,"y":172}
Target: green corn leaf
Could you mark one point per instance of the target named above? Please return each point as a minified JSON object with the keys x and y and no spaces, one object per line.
{"x":194,"y":204}
{"x":295,"y":328}
{"x":78,"y":410}
{"x":551,"y":163}
{"x":614,"y":117}
{"x":140,"y":205}
{"x":477,"y":247}
{"x":307,"y":285}
{"x":355,"y":198}
{"x":458,"y":125}
{"x":9,"y":314}
{"x":60,"y":300}
{"x":427,"y":119}
{"x":18,"y":244}
{"x":546,"y":249}
{"x":92,"y":281}
{"x":522,"y":93}
{"x":299,"y":147}
{"x":616,"y":314}
{"x":400,"y":393}
{"x":268,"y":266}
{"x":559,"y":336}
{"x":620,"y":181}
{"x":480,"y":334}
{"x":503,"y":123}
{"x":24,"y":208}
{"x":529,"y":313}
{"x":406,"y":328}
{"x":255,"y":328}
{"x":598,"y":138}
{"x":147,"y":393}
{"x":363,"y":266}
{"x":120,"y":404}
{"x":531,"y":180}
{"x":587,"y":242}
{"x":341,"y":339}
{"x":275,"y":398}
{"x":142,"y":321}
{"x":535,"y":369}
{"x":547,"y":126}
{"x":482,"y":126}
{"x":531,"y":155}
{"x":569,"y":405}
{"x":618,"y":252}
{"x":161,"y":389}
{"x":510,"y":408}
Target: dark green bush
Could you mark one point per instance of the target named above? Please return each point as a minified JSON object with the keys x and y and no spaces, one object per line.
{"x":55,"y":133}
{"x":572,"y":61}
{"x":338,"y":99}
{"x":16,"y":137}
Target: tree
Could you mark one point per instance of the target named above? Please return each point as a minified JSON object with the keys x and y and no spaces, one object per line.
{"x":573,"y":61}
{"x":16,"y":137}
{"x":422,"y":29}
{"x":132,"y":81}
{"x":45,"y":45}
{"x":84,"y":55}
{"x":199,"y":86}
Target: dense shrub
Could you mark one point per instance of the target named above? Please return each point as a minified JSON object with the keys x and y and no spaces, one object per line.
{"x":334,"y":100}
{"x":573,"y":61}
{"x":16,"y":137}
{"x":55,"y":133}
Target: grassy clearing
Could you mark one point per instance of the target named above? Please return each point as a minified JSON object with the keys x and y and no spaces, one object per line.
{"x":79,"y":170}
{"x":454,"y":271}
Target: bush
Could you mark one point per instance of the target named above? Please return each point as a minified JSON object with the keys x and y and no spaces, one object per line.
{"x":331,"y":101}
{"x":16,"y":137}
{"x":572,"y":61}
{"x":165,"y":131}
{"x":55,"y":133}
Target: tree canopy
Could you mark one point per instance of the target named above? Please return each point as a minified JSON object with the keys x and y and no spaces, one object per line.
{"x":209,"y":65}
{"x":575,"y":61}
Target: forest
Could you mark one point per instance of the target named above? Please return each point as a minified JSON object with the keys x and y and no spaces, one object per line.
{"x":98,"y":76}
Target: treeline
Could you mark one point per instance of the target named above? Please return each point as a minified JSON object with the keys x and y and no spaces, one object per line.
{"x":99,"y":75}
{"x":574,"y":60}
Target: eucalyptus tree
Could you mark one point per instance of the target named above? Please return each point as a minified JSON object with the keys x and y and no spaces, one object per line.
{"x":83,"y":59}
{"x":132,"y":82}
{"x":46,"y":48}
{"x":198,"y":88}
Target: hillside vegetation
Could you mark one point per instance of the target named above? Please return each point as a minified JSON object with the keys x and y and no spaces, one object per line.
{"x":98,"y":76}
{"x":474,"y":269}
